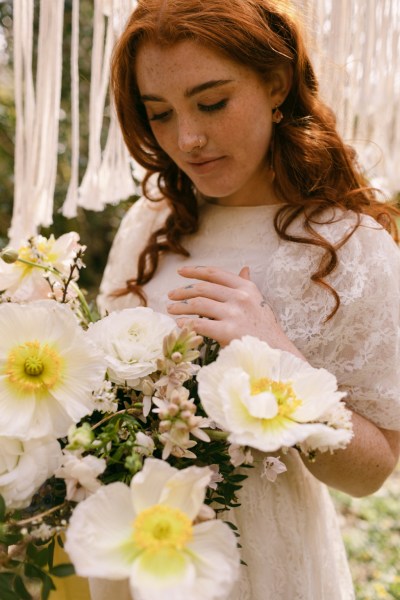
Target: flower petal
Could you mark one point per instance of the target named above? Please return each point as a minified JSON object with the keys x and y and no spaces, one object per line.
{"x":216,"y":558}
{"x":145,"y":494}
{"x":167,"y":573}
{"x":98,"y":536}
{"x":159,"y":483}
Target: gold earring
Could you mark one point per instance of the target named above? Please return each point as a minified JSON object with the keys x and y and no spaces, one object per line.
{"x":277,"y":115}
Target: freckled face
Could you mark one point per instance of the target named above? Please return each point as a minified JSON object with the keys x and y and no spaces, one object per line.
{"x":212,"y":116}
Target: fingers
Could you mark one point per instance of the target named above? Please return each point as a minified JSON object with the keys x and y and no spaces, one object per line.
{"x":245,"y":273}
{"x":213,"y":291}
{"x":203,"y":307}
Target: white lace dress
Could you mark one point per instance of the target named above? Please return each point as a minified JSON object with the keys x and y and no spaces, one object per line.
{"x":289,"y":534}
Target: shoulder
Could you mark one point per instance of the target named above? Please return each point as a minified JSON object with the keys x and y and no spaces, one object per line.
{"x":352,"y":235}
{"x":145,"y":212}
{"x":142,"y":219}
{"x":368,"y":263}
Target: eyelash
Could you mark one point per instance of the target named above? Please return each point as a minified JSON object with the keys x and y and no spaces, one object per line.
{"x":213,"y":107}
{"x":202,"y":107}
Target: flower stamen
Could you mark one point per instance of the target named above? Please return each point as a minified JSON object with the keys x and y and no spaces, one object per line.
{"x":283,"y":392}
{"x":162,"y":527}
{"x":33,"y":367}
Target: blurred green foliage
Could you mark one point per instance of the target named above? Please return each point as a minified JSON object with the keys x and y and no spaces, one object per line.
{"x":96,"y":229}
{"x":371,"y":533}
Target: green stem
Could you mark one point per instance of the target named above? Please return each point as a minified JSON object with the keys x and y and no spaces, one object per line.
{"x":38,"y":266}
{"x":40,"y":515}
{"x":81,"y":297}
{"x":216,"y":435}
{"x":124,"y":411}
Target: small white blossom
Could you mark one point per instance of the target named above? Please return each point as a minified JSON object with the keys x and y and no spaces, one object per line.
{"x":105,"y":399}
{"x":216,"y":477}
{"x":272,"y":467}
{"x":80,"y":474}
{"x":240,"y":455}
{"x":43,"y":531}
{"x":144,"y":444}
{"x":24,"y":466}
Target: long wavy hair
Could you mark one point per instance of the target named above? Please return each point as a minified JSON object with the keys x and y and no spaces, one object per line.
{"x":314,"y":169}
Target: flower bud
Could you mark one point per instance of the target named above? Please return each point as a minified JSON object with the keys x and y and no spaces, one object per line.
{"x":147,"y":387}
{"x":173,"y":409}
{"x":165,"y":426}
{"x":9,"y":255}
{"x":80,"y":437}
{"x":176,"y":357}
{"x":186,"y":414}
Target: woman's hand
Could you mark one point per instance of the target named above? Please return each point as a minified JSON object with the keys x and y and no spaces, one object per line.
{"x":228,"y":306}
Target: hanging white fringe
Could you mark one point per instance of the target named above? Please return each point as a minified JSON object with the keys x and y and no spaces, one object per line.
{"x":108,"y":177}
{"x":69,"y":208}
{"x":37,"y":114}
{"x":356,"y":57}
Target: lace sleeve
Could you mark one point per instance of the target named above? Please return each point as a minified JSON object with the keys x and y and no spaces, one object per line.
{"x":141,"y":220}
{"x":361,"y":343}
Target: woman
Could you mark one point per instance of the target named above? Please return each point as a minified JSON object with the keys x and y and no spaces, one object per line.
{"x":263,"y":226}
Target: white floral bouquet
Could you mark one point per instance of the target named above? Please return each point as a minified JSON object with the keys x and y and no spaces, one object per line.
{"x":130,"y":437}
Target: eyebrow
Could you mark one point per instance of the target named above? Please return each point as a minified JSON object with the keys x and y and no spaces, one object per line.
{"x":189,"y":93}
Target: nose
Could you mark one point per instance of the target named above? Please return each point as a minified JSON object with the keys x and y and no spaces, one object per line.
{"x":189,"y":136}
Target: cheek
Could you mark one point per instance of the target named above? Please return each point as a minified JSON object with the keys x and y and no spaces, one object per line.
{"x":164,"y":136}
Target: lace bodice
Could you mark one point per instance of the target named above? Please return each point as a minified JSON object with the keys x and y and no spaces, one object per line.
{"x":291,"y":541}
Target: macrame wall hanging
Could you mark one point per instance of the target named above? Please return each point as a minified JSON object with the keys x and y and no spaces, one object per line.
{"x":355,"y":46}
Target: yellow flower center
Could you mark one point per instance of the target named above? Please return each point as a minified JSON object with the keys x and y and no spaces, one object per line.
{"x":160,"y":527}
{"x":42,"y":250}
{"x":283,"y":392}
{"x":33,"y":367}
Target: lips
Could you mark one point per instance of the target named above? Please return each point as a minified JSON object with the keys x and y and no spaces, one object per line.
{"x":204,"y":165}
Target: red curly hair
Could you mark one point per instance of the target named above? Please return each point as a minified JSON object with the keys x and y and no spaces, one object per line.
{"x":314,"y":169}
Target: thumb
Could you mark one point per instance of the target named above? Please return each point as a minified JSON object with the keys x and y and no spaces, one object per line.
{"x":245,"y":273}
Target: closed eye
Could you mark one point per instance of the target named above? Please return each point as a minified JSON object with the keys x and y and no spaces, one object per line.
{"x":160,"y":116}
{"x":213,"y":107}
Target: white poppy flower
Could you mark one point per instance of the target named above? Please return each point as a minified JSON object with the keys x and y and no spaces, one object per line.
{"x":147,"y":533}
{"x":132,"y":342}
{"x":80,"y":474}
{"x":48,"y":370}
{"x":24,"y":466}
{"x":25,"y":283}
{"x":267,"y":398}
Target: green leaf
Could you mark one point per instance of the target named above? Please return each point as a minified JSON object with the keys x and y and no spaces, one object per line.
{"x":21,"y":590}
{"x":63,"y":570}
{"x":2,"y":508}
{"x":51,"y":547}
{"x":6,"y":580}
{"x":33,"y":571}
{"x":9,"y":595}
{"x":9,"y":538}
{"x":48,"y":587}
{"x":6,"y":585}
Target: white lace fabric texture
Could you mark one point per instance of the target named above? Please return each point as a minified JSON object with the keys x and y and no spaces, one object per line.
{"x":289,"y":534}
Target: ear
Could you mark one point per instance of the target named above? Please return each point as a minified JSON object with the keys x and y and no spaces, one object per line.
{"x":280,"y":82}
